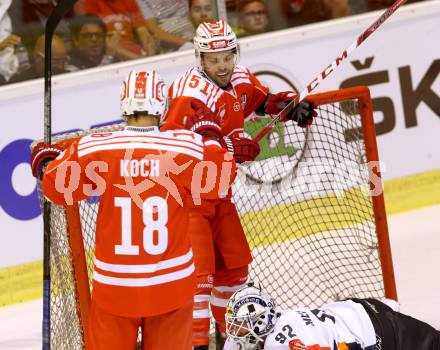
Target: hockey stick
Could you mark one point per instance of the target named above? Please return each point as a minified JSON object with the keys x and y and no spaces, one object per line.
{"x":329,"y":69}
{"x":55,"y":17}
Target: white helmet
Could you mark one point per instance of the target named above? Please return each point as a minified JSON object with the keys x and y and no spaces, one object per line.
{"x":143,"y":91}
{"x":215,"y":37}
{"x":250,"y":316}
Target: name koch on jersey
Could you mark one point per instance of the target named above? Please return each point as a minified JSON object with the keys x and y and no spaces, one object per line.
{"x":143,"y":167}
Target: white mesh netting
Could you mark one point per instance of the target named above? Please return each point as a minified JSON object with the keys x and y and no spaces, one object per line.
{"x":305,"y":209}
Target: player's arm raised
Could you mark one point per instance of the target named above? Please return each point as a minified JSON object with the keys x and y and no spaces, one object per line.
{"x":302,"y":114}
{"x":265,"y":102}
{"x":42,"y":155}
{"x":211,"y":177}
{"x":204,"y":122}
{"x":179,"y":107}
{"x":63,"y":174}
{"x":258,"y":96}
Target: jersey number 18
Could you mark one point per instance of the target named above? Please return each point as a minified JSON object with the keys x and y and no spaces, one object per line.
{"x":154,"y":225}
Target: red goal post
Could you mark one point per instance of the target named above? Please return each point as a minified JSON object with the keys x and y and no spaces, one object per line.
{"x":314,"y":237}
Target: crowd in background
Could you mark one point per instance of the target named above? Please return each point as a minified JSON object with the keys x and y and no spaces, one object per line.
{"x":100,"y":32}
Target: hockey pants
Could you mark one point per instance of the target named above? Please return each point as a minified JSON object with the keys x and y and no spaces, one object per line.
{"x":168,"y":331}
{"x":221,"y":256}
{"x":396,"y":331}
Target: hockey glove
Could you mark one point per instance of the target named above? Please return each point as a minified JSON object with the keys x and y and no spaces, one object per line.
{"x":243,"y":149}
{"x":41,"y":155}
{"x":303,"y":114}
{"x":204,"y":121}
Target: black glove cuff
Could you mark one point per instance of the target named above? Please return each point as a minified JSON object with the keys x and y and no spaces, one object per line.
{"x":261,"y":109}
{"x":42,"y":167}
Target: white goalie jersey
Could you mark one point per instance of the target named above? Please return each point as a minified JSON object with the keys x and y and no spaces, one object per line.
{"x":335,"y":326}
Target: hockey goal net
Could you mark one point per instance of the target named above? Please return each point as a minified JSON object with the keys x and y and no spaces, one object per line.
{"x":311,"y":206}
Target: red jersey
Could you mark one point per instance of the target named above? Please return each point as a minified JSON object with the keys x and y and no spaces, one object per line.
{"x":118,"y":16}
{"x":143,"y":262}
{"x":233,"y":104}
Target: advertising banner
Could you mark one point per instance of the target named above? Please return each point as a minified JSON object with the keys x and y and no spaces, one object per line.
{"x":400,"y":63}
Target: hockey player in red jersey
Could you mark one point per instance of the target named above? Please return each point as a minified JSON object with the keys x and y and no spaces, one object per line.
{"x":254,"y":323}
{"x":219,"y":86}
{"x":143,"y":266}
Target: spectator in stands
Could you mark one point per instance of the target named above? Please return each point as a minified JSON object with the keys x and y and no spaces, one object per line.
{"x":125,"y":26}
{"x":202,"y":11}
{"x":8,"y":42}
{"x":231,"y":5}
{"x":8,"y":60}
{"x":30,"y":16}
{"x":253,"y":17}
{"x":59,"y":60}
{"x":300,"y":12}
{"x":168,"y":22}
{"x":89,"y":43}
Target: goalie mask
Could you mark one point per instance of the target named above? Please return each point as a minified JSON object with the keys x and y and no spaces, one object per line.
{"x":250,"y":317}
{"x":145,"y":92}
{"x":215,"y":37}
